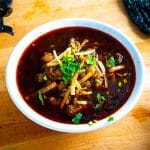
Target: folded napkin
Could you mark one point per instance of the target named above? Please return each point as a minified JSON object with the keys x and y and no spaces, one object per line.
{"x":139,"y":12}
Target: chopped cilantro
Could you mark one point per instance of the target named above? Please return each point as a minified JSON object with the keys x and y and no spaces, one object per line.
{"x":40,"y":97}
{"x":45,"y":77}
{"x":100,"y":97}
{"x":91,"y":123}
{"x":97,"y":106}
{"x":91,"y":60}
{"x":103,"y":98}
{"x":111,"y":62}
{"x":68,"y":67}
{"x":76,"y":119}
{"x":110,"y":119}
{"x":100,"y":100}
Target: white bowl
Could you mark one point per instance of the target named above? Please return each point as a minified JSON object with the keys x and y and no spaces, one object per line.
{"x":31,"y":36}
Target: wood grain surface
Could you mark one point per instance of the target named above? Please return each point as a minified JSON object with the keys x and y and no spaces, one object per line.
{"x":18,"y":133}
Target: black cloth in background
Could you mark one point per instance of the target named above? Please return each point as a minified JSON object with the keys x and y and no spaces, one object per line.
{"x":139,"y":12}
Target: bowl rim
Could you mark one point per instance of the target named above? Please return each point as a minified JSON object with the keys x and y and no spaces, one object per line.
{"x":66,"y":22}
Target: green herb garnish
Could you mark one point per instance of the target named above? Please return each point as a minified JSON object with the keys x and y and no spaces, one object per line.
{"x":97,"y":106}
{"x":100,"y":100}
{"x":76,"y":119}
{"x":45,"y":77}
{"x":91,"y":60}
{"x":68,"y":67}
{"x":91,"y":123}
{"x":110,"y":119}
{"x":111,"y":62}
{"x":40,"y":97}
{"x":100,"y":97}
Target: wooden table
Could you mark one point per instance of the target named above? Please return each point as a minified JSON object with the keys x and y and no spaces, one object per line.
{"x":18,"y":133}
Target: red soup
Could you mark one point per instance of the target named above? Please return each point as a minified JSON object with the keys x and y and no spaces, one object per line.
{"x":75,"y":75}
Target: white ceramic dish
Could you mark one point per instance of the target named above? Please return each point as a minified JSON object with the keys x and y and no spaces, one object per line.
{"x":31,"y":36}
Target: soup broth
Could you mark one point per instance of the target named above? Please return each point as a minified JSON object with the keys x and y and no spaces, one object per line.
{"x":93,"y":67}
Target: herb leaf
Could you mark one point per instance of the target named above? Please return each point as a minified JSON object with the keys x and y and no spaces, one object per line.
{"x":97,"y":106}
{"x":45,"y":77}
{"x":111,"y":62}
{"x":91,"y":60}
{"x":76,"y":119}
{"x":91,"y":123}
{"x":40,"y":97}
{"x":100,"y":100}
{"x":68,"y":67}
{"x":110,"y":119}
{"x":100,"y":97}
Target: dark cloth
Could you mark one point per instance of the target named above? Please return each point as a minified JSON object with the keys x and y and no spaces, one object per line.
{"x":5,"y":11}
{"x":139,"y":12}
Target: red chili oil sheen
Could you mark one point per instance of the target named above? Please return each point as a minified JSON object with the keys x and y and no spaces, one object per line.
{"x":30,"y":64}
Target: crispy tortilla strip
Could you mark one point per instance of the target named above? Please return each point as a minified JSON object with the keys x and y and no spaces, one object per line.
{"x":65,"y":99}
{"x":86,"y":77}
{"x":60,"y":56}
{"x":85,"y":52}
{"x":102,"y":67}
{"x":48,"y":88}
{"x":56,"y":57}
{"x":42,"y":90}
{"x":73,"y":83}
{"x":116,"y":68}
